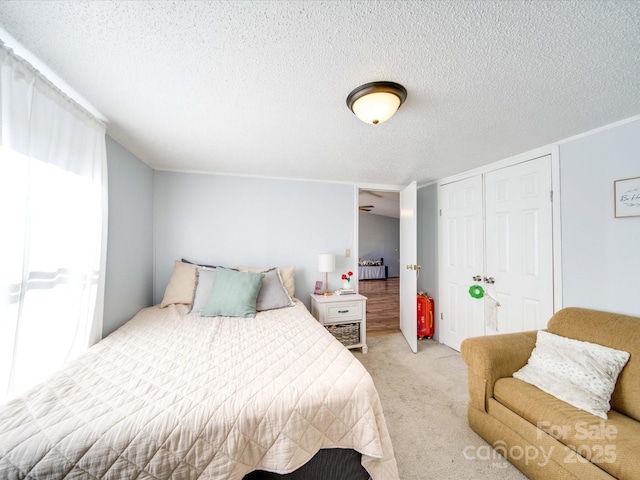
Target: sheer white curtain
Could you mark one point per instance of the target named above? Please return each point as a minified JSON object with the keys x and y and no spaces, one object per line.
{"x":53,"y":216}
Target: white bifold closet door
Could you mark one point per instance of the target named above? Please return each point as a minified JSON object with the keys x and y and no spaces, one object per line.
{"x":461,"y":258}
{"x":497,"y":227}
{"x":519,"y":246}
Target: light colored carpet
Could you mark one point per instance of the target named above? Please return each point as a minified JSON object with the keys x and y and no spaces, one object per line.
{"x":424,"y":397}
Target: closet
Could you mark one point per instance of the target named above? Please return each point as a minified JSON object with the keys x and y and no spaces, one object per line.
{"x":496,"y":232}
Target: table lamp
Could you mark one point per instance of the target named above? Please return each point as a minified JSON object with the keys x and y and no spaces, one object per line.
{"x":326,"y":264}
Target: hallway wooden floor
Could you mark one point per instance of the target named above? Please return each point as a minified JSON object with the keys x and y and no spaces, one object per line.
{"x":383,"y":305}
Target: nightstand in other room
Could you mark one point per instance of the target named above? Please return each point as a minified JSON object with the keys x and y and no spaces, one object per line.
{"x":344,"y":316}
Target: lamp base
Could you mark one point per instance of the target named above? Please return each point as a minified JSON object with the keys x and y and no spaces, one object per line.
{"x":326,"y":292}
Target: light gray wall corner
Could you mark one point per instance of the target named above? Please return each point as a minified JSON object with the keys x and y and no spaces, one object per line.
{"x":600,"y":254}
{"x":129,"y":274}
{"x":246,"y":221}
{"x":380,"y":238}
{"x":427,"y":217}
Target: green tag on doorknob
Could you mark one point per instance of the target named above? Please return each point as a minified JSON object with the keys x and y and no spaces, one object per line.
{"x":476,"y":291}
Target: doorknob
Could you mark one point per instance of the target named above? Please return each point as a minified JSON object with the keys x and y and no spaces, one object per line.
{"x":414,"y":267}
{"x":489,"y":280}
{"x":477,"y":278}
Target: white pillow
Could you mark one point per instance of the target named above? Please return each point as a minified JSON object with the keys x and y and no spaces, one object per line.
{"x":287,"y":275}
{"x":206,"y":279}
{"x":272,"y":293}
{"x":580,"y":373}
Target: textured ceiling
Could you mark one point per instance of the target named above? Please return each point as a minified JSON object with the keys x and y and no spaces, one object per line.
{"x":259,"y":88}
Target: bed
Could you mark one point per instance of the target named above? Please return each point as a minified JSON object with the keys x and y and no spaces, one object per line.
{"x":173,"y":394}
{"x":372,"y":269}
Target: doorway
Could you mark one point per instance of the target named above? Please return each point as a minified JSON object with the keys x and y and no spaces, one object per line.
{"x":379,"y":259}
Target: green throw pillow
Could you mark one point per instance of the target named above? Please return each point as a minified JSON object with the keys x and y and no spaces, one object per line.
{"x":234,"y":294}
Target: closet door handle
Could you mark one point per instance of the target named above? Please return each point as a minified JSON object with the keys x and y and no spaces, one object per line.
{"x":489,"y":280}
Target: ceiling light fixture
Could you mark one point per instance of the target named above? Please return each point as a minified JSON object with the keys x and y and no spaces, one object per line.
{"x":376,"y":102}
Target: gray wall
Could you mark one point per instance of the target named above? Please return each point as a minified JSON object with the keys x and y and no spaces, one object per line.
{"x":600,"y":253}
{"x":379,"y":237}
{"x":428,"y":239}
{"x":233,"y":221}
{"x":129,"y":274}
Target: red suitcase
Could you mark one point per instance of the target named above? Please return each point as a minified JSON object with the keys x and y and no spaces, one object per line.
{"x":425,"y":316}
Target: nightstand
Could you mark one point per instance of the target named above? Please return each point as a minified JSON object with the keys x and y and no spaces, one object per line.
{"x":344,"y":316}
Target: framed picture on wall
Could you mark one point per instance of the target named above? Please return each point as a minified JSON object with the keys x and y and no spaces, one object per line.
{"x":627,"y":197}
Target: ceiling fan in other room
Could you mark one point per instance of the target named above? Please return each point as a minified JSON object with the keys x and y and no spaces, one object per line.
{"x":366,"y":208}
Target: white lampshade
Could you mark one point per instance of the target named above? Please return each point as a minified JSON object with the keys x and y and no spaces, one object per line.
{"x":376,"y":102}
{"x":326,"y":262}
{"x":376,"y":107}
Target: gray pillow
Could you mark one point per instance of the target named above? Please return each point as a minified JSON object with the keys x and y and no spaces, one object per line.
{"x":272,"y":294}
{"x":206,"y":279}
{"x":234,"y":294}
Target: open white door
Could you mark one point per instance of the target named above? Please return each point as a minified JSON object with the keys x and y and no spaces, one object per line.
{"x":408,"y":267}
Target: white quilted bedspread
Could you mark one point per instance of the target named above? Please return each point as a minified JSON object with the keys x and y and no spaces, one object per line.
{"x":171,"y":395}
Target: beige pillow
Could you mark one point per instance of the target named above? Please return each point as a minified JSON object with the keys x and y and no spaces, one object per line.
{"x":182,"y":284}
{"x":287,"y":275}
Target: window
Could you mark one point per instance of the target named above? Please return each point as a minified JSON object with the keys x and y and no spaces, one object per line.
{"x":52,"y":202}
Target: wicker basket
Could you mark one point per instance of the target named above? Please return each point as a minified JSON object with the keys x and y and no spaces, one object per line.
{"x":347,"y":334}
